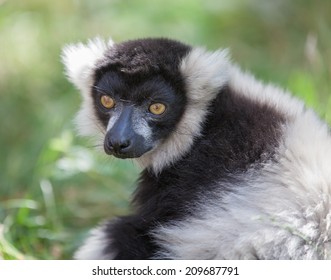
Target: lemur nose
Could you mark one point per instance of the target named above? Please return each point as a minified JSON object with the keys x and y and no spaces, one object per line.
{"x":120,"y":145}
{"x":117,"y":145}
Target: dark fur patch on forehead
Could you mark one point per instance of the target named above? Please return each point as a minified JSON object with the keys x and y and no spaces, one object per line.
{"x":145,"y":56}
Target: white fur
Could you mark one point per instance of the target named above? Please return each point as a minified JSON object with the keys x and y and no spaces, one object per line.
{"x":281,"y":212}
{"x":80,"y":60}
{"x":245,"y":84}
{"x":205,"y":73}
{"x":113,"y":119}
{"x":141,"y":127}
{"x":93,"y":247}
{"x":86,"y":122}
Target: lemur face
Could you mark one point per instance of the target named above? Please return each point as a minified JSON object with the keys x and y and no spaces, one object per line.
{"x":144,"y":99}
{"x":136,"y":113}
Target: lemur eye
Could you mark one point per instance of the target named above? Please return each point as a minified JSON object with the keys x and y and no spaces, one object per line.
{"x":157,"y":108}
{"x":107,"y":101}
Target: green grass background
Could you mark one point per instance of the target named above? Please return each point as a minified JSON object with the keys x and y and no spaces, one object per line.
{"x":54,"y":186}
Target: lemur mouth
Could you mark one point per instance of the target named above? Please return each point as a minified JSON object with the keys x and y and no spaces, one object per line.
{"x":127,"y":155}
{"x":121,"y":155}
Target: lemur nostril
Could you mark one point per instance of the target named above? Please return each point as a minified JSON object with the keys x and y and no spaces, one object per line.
{"x":108,"y":147}
{"x":123,"y":145}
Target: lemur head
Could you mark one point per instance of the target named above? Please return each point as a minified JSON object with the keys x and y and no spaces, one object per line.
{"x":144,"y":99}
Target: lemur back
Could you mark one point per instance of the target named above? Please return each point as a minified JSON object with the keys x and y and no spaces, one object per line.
{"x":231,"y":168}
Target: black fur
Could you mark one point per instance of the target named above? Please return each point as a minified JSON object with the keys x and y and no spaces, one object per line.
{"x":141,"y":59}
{"x":129,"y":89}
{"x":233,"y":140}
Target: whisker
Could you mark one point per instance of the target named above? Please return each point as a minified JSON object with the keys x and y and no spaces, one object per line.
{"x":102,"y":90}
{"x":95,"y":146}
{"x":97,"y":124}
{"x":126,"y":101}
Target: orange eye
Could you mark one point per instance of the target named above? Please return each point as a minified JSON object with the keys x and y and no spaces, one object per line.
{"x":107,"y":101}
{"x":157,"y":108}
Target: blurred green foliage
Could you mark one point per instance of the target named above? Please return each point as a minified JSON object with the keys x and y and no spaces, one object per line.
{"x":53,"y":185}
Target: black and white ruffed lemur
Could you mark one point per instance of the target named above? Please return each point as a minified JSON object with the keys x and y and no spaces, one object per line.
{"x":232,"y":168}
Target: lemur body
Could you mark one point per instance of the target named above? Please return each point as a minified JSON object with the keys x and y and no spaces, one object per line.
{"x":232,"y":168}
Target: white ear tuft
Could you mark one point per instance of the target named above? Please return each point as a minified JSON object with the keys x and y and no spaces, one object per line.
{"x":80,"y":59}
{"x":205,"y":72}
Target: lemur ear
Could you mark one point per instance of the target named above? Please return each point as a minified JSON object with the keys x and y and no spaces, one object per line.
{"x":80,"y":59}
{"x":205,"y":72}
